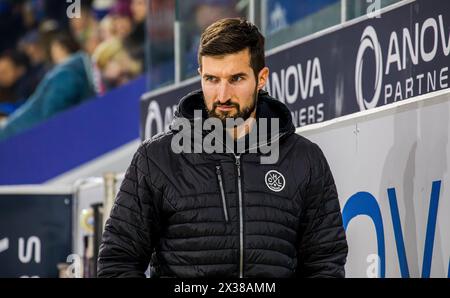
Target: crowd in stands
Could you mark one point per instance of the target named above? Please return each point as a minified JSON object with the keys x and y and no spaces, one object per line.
{"x":54,"y":55}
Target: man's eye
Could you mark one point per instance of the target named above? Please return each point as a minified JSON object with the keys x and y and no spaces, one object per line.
{"x":236,"y":79}
{"x":210,"y":79}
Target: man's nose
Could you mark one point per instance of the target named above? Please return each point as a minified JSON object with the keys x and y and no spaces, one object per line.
{"x":223,"y":94}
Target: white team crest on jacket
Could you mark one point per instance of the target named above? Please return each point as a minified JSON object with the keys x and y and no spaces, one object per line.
{"x":275,"y":180}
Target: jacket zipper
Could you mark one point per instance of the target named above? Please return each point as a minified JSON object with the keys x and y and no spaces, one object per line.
{"x":222,"y":193}
{"x":241,"y":217}
{"x":241,"y":220}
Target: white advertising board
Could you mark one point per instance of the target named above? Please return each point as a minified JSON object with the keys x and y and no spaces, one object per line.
{"x":390,"y":166}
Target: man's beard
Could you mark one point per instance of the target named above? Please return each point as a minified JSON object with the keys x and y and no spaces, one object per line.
{"x":243,"y":114}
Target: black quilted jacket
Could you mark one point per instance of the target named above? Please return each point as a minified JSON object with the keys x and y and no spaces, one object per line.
{"x":225,"y":215}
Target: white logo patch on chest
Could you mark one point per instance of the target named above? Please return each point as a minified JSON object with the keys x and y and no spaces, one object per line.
{"x":275,"y":180}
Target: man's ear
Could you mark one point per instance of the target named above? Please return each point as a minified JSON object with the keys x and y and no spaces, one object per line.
{"x":199,"y":71}
{"x":262,"y":77}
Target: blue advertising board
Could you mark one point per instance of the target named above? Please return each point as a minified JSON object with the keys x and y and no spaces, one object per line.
{"x":35,"y":234}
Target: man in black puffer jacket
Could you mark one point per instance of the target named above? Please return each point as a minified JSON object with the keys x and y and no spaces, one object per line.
{"x":212,"y":213}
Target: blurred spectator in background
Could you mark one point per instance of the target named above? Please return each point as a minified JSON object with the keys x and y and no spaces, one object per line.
{"x":122,"y":19}
{"x":31,"y":45}
{"x":46,"y":72}
{"x":101,"y":8}
{"x":67,"y":84}
{"x":32,"y":13}
{"x":135,"y":41}
{"x":207,"y":12}
{"x":120,"y":57}
{"x":13,"y":68}
{"x":47,"y":31}
{"x":115,"y":65}
{"x":199,"y":14}
{"x":85,"y":29}
{"x":15,"y":82}
{"x":107,"y":30}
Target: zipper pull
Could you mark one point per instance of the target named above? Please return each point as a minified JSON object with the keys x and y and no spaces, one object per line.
{"x":238,"y":165}
{"x":222,"y":193}
{"x":218,"y":170}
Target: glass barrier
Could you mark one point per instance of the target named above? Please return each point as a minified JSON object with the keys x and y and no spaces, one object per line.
{"x":356,"y":8}
{"x":286,"y":20}
{"x":174,"y":27}
{"x":196,"y":15}
{"x":160,"y":43}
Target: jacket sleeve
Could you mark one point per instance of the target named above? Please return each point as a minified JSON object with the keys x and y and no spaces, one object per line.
{"x":323,"y":245}
{"x":131,"y":231}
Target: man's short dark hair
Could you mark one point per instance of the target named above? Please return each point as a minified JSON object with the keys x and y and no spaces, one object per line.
{"x":232,"y":35}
